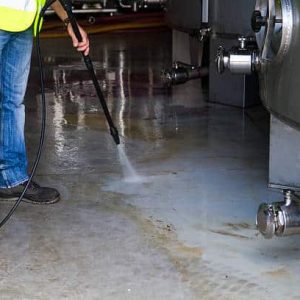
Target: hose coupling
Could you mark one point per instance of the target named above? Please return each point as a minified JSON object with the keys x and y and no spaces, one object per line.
{"x":180,"y":73}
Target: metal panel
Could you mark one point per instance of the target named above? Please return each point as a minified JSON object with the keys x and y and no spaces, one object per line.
{"x":185,"y":15}
{"x":284,"y":156}
{"x":230,"y":19}
{"x":231,"y":16}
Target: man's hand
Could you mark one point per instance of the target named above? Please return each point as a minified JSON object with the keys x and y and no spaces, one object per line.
{"x":83,"y":46}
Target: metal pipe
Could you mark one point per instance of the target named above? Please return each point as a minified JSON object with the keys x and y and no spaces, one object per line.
{"x":141,"y":3}
{"x":124,"y":5}
{"x":181,"y":73}
{"x":155,"y":2}
{"x":88,"y":11}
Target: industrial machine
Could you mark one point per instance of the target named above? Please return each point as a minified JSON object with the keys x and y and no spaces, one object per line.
{"x":190,"y":32}
{"x":260,"y":45}
{"x":276,"y":61}
{"x":136,"y":5}
{"x":113,"y":6}
{"x":199,"y":27}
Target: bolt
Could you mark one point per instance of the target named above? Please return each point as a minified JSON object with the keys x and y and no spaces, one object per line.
{"x":288,"y":196}
{"x":242,"y":41}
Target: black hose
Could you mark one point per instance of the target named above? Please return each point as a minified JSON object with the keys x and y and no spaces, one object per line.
{"x":43,"y":125}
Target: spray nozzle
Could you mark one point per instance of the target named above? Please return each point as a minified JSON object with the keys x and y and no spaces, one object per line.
{"x":115,"y":134}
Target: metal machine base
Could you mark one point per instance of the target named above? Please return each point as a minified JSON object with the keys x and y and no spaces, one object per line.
{"x":284,"y":156}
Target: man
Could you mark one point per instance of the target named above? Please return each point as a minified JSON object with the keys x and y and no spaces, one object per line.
{"x":18,"y":21}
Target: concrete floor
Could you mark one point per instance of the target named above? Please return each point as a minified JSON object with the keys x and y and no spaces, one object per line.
{"x":186,"y":230}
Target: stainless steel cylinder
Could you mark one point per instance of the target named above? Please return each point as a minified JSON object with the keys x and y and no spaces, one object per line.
{"x":240,"y":63}
{"x":237,"y":61}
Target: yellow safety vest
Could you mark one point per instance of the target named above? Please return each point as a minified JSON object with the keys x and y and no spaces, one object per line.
{"x":15,"y":17}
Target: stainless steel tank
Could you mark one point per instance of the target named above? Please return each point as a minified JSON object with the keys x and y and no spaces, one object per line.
{"x":277,"y":32}
{"x":276,"y":61}
{"x":276,"y":23}
{"x":279,"y":42}
{"x":270,"y":49}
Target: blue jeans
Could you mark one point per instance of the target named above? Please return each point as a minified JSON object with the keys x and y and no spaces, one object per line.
{"x":15,"y":56}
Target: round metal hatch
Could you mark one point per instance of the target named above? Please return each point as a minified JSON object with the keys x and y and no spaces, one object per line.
{"x":274,"y":32}
{"x":277,"y":27}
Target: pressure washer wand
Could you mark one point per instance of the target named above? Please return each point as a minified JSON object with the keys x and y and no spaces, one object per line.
{"x":88,"y":62}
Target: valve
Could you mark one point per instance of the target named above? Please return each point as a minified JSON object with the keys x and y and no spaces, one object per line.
{"x":239,"y":60}
{"x":280,"y":218}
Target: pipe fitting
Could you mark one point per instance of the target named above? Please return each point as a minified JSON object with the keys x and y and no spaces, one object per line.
{"x":181,"y":73}
{"x":280,"y":218}
{"x":239,"y":60}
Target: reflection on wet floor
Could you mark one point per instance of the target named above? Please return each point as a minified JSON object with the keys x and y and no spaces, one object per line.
{"x":187,"y":232}
{"x":121,"y":74}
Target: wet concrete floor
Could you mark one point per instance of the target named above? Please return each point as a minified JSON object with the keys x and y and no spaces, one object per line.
{"x":186,"y":230}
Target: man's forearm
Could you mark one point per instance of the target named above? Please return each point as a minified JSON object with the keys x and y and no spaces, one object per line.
{"x":59,"y":10}
{"x":83,"y":45}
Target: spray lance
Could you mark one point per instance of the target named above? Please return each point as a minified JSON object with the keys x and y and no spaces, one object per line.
{"x":88,"y":62}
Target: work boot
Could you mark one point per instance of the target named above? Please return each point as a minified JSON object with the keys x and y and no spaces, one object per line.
{"x":35,"y":194}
